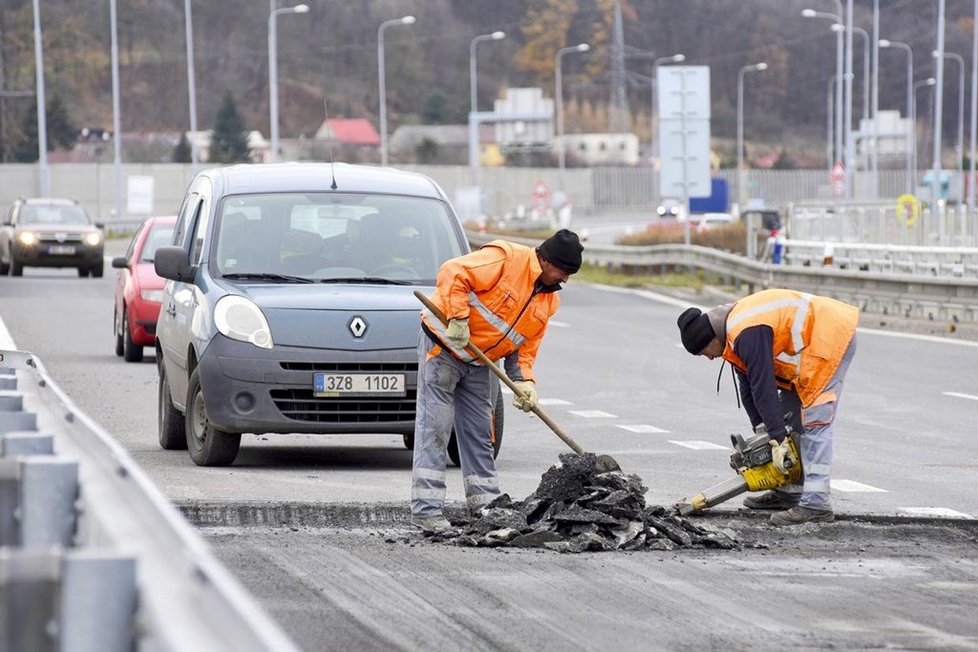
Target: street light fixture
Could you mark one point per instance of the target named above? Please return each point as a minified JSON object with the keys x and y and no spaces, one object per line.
{"x":811,"y":13}
{"x":580,"y":47}
{"x":405,"y":20}
{"x":886,"y":43}
{"x":740,"y":127}
{"x":273,"y":69}
{"x":473,"y":88}
{"x":960,"y":147}
{"x":654,"y":145}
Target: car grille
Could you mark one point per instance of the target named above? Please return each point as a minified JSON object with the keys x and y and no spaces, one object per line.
{"x":352,"y":367}
{"x":68,"y":239}
{"x":301,"y":405}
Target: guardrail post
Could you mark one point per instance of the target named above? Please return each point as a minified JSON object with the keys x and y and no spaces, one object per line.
{"x":9,"y":502}
{"x":98,"y":602}
{"x":14,"y":444}
{"x":49,"y":489}
{"x":29,"y":599}
{"x":12,"y":421}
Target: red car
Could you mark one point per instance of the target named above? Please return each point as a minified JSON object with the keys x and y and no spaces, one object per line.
{"x":138,"y":289}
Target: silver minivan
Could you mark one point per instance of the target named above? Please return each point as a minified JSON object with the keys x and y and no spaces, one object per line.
{"x":289,"y":304}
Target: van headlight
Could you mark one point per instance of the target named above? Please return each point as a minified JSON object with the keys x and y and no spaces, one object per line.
{"x":27,"y":238}
{"x":93,"y":238}
{"x":240,"y":319}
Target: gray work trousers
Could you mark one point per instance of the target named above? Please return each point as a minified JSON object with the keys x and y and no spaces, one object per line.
{"x":816,"y":439}
{"x":451,"y":392}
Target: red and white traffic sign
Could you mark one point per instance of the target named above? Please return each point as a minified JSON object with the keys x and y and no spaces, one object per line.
{"x":837,"y":176}
{"x":540,"y":195}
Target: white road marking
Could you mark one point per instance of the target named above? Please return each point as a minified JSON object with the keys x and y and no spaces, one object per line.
{"x":642,"y":428}
{"x":942,"y":512}
{"x":956,"y":394}
{"x":593,"y":414}
{"x":851,"y":486}
{"x":914,"y":336}
{"x":697,"y":445}
{"x":558,"y":324}
{"x":6,"y":341}
{"x":554,"y":401}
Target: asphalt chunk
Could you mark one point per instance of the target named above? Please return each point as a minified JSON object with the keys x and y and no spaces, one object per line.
{"x":576,"y":509}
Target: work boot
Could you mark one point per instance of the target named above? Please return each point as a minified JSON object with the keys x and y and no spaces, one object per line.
{"x":431,"y":524}
{"x":772,"y":500}
{"x":798,"y":515}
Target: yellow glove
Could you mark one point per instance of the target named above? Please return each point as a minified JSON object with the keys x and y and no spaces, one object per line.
{"x":784,"y":460}
{"x":529,"y":399}
{"x":458,"y":332}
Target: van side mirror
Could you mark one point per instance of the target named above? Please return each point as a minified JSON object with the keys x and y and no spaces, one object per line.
{"x":174,"y":263}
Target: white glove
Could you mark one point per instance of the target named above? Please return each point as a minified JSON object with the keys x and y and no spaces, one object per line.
{"x":458,"y":332}
{"x":529,"y":399}
{"x":782,"y":456}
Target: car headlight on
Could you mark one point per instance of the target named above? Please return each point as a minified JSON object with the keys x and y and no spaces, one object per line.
{"x":660,"y":210}
{"x":240,"y":319}
{"x":27,"y":238}
{"x":156,"y":296}
{"x":92,"y":239}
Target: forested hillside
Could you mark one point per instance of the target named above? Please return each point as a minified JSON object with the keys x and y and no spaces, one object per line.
{"x":331,"y":53}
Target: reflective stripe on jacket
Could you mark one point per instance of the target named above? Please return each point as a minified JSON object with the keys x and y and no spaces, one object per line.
{"x":811,"y":334}
{"x":493,"y":288}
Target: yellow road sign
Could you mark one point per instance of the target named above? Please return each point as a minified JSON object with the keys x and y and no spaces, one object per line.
{"x":908,"y":209}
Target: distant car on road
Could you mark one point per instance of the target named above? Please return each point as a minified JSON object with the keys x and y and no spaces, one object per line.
{"x":138,"y":289}
{"x":289,"y":304}
{"x":706,"y":221}
{"x":670,"y":207}
{"x":50,"y":233}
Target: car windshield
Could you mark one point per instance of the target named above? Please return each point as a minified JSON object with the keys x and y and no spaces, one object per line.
{"x":64,"y":214}
{"x":159,"y":236}
{"x":334,"y":237}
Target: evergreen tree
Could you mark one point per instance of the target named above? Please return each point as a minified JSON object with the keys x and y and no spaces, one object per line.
{"x":61,"y":132}
{"x":229,"y":140}
{"x":182,"y":152}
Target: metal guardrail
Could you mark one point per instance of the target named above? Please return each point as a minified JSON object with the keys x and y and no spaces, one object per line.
{"x":957,"y":262}
{"x":890,"y":293}
{"x":92,"y":556}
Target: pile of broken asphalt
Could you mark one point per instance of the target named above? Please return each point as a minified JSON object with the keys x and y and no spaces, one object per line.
{"x":576,"y":509}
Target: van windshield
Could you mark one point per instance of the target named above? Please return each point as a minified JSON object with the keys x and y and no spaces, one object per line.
{"x":332,"y":236}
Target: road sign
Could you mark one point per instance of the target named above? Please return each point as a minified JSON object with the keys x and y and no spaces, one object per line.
{"x":837,"y":177}
{"x":908,"y":209}
{"x":684,"y":130}
{"x":540,"y":195}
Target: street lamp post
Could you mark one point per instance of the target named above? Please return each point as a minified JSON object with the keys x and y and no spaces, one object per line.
{"x":740,"y":128}
{"x":811,"y":13}
{"x":473,"y":90}
{"x":974,"y":123}
{"x":559,"y":96}
{"x":829,"y":94}
{"x":191,"y":81}
{"x":405,"y":20}
{"x":654,"y":145}
{"x":936,"y":170}
{"x":960,"y":146}
{"x":885,"y":43}
{"x":839,"y":27}
{"x":273,"y":69}
{"x":930,"y":81}
{"x":42,"y":123}
{"x":116,"y":117}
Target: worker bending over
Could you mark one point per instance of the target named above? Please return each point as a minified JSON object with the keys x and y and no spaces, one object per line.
{"x":800,"y":344}
{"x":500,"y":299}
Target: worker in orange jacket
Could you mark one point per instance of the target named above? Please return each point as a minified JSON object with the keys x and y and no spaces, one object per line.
{"x":797,"y":344}
{"x":500,"y":299}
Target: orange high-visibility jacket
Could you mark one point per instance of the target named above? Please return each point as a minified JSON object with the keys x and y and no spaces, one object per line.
{"x":811,"y":334}
{"x":493,"y":288}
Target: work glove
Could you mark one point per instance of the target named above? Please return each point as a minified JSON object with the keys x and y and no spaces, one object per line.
{"x":529,"y":399}
{"x":782,"y":455}
{"x":458,"y":332}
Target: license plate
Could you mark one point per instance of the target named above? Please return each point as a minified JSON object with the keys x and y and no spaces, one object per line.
{"x":358,"y":385}
{"x":61,"y":250}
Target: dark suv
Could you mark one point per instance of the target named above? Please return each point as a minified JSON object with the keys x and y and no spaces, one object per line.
{"x":50,"y":233}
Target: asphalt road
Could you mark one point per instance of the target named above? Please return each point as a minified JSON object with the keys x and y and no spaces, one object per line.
{"x":615,"y":377}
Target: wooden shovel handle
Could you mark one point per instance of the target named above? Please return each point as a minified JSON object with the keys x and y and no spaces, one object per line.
{"x":474,"y":350}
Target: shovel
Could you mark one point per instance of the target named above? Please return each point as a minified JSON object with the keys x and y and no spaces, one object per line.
{"x":605,"y":463}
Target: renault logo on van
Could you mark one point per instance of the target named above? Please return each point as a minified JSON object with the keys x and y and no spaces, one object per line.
{"x":357,"y":326}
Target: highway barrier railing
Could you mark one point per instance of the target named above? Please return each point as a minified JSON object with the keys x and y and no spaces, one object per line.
{"x":948,"y":296}
{"x":92,"y":556}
